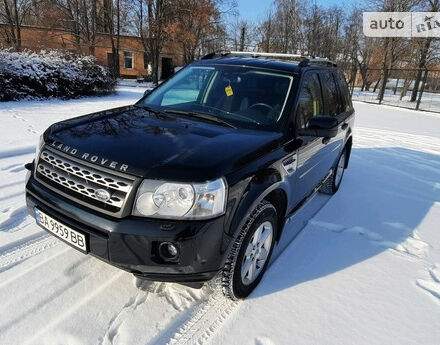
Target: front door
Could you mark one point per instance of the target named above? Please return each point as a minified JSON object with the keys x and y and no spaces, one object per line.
{"x":310,"y":154}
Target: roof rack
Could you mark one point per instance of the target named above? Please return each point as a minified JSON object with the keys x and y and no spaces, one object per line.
{"x":303,"y":60}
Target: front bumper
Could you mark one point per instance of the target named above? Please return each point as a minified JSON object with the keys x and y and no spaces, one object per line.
{"x":132,"y":243}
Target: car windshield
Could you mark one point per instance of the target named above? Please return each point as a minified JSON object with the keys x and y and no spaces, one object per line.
{"x":244,"y":97}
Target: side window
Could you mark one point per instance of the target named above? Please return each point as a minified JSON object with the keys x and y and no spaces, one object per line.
{"x":310,"y":100}
{"x":345,"y":94}
{"x":330,"y":92}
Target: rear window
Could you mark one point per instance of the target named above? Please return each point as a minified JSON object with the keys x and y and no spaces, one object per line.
{"x":345,"y":94}
{"x":330,"y":92}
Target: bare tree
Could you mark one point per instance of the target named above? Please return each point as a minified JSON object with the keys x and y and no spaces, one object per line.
{"x":266,"y":33}
{"x":80,"y":18}
{"x":112,"y":26}
{"x":157,"y":20}
{"x":241,"y":34}
{"x":424,"y":46}
{"x":393,"y":47}
{"x":153,"y":18}
{"x":195,"y":21}
{"x":288,"y":22}
{"x":14,"y":14}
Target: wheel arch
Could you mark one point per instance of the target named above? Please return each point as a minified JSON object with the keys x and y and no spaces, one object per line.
{"x":268,"y":186}
{"x":278,"y":198}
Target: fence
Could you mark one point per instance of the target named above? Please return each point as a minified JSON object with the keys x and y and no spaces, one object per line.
{"x":409,"y":88}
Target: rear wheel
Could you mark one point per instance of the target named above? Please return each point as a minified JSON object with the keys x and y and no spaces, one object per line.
{"x":331,"y":185}
{"x":250,"y":253}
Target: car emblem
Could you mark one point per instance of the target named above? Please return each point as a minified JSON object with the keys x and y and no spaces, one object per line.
{"x":102,"y":195}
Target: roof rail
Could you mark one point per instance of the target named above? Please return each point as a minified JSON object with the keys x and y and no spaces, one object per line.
{"x":304,"y":60}
{"x":311,"y":59}
{"x":258,"y":54}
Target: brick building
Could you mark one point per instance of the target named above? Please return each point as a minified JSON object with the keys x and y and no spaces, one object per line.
{"x":133,"y":59}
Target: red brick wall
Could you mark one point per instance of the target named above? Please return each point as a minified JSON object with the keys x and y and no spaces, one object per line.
{"x":34,"y":38}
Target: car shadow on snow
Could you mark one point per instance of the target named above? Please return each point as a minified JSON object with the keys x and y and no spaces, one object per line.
{"x":385,"y":195}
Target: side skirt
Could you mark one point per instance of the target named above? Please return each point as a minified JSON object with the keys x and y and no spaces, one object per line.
{"x":312,"y":193}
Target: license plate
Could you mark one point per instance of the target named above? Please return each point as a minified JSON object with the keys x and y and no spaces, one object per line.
{"x":60,"y":230}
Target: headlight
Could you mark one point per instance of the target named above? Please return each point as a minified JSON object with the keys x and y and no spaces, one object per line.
{"x":172,"y":200}
{"x":39,"y":146}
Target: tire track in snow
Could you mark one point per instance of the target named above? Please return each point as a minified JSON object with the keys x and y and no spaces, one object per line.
{"x":41,"y":303}
{"x":20,"y":151}
{"x":206,"y":319}
{"x":15,"y":220}
{"x":69,"y":311}
{"x":12,"y":184}
{"x":23,"y":272}
{"x":13,"y":167}
{"x":26,"y":250}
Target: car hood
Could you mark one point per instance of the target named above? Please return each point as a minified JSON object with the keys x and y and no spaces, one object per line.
{"x":161,"y":146}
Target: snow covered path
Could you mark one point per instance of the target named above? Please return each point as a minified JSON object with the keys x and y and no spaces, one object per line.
{"x":366,"y":267}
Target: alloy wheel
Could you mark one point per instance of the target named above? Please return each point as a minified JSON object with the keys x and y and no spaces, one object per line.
{"x":256,"y":253}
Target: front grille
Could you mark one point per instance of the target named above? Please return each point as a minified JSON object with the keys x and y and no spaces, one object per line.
{"x":81,"y":182}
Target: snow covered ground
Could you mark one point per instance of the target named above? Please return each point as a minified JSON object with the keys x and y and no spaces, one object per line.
{"x":365,"y":269}
{"x":430,"y":101}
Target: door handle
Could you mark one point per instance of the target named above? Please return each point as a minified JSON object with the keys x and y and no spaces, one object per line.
{"x":344,"y":126}
{"x":325,"y":140}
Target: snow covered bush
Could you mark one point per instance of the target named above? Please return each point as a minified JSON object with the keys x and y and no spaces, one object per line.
{"x":51,"y":74}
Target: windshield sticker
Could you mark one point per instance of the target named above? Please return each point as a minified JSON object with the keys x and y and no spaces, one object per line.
{"x":228,"y":91}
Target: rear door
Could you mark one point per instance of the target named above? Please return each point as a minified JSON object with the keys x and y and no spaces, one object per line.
{"x":334,"y":106}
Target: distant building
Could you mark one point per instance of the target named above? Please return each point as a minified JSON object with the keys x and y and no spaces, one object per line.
{"x":133,"y":59}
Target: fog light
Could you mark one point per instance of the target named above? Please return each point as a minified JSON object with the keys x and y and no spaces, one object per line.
{"x":168,"y":251}
{"x":172,"y":249}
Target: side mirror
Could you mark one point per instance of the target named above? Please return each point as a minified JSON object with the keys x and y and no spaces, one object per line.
{"x":321,"y":126}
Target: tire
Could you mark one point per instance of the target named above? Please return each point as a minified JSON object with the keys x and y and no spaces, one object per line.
{"x":249,"y":249}
{"x":333,"y":182}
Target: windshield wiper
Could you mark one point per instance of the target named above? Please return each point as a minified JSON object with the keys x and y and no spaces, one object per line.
{"x":147,"y":108}
{"x":247,"y":119}
{"x":200,"y":116}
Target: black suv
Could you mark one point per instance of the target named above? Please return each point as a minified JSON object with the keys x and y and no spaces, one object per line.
{"x":196,"y":179}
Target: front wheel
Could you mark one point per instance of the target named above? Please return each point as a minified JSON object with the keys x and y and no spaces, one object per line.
{"x":331,"y":185}
{"x":250,"y":253}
